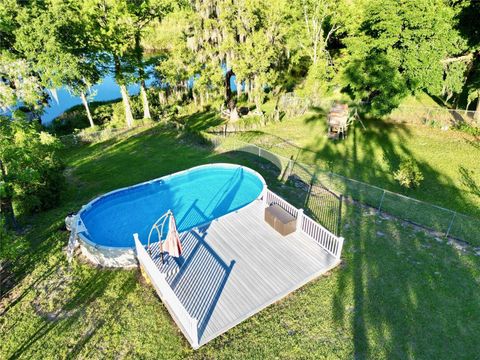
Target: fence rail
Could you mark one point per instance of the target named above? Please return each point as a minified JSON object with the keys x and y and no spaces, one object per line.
{"x":435,"y":115}
{"x":185,"y":322}
{"x":429,"y":216}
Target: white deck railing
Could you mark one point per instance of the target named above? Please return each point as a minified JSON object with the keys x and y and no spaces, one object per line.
{"x":331,"y":243}
{"x":272,"y":198}
{"x":186,"y":323}
{"x":327,"y":240}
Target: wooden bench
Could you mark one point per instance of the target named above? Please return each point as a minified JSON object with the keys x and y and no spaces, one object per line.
{"x":280,"y":219}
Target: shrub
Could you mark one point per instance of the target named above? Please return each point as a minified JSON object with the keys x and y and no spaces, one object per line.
{"x":469,"y":129}
{"x":408,"y":174}
{"x":35,"y":173}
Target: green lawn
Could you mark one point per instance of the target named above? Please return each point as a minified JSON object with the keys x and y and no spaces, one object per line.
{"x":400,"y":292}
{"x":449,"y":160}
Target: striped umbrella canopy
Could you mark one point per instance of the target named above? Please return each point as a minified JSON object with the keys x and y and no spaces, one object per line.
{"x":172,"y":243}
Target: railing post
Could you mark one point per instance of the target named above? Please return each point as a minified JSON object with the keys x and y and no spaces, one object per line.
{"x":299,"y":220}
{"x":194,"y":333}
{"x":340,"y":246}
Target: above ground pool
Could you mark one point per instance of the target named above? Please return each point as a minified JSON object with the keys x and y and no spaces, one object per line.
{"x":196,"y":196}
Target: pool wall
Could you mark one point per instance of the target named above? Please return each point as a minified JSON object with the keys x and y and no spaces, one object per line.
{"x":125,"y":257}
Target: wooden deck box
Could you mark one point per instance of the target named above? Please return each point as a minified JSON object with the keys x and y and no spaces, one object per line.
{"x":280,"y":219}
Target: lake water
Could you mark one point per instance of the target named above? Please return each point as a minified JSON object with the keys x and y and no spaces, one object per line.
{"x":105,"y":90}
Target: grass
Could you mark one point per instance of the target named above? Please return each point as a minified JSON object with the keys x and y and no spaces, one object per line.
{"x":400,"y":292}
{"x":447,"y":159}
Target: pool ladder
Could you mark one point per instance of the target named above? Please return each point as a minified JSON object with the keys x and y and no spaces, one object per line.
{"x":160,"y":222}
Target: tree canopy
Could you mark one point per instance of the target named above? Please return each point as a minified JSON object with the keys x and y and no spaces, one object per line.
{"x":376,"y":52}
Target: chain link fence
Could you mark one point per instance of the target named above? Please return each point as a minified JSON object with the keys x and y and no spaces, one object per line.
{"x":321,"y":192}
{"x":318,"y":188}
{"x":435,"y":116}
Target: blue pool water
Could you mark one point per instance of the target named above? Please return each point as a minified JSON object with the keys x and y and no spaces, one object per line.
{"x":196,"y":197}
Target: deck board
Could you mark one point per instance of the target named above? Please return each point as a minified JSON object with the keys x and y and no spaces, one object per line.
{"x":237,"y":265}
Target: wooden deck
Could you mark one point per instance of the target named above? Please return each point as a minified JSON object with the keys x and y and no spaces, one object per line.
{"x":237,"y":265}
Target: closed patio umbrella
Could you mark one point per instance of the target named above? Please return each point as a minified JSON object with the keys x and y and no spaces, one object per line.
{"x":172,"y":243}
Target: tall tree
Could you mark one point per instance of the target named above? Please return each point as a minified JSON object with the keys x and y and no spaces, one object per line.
{"x":261,"y":52}
{"x":52,"y":37}
{"x":111,"y":26}
{"x":318,"y":23}
{"x":143,"y":12}
{"x":411,"y":37}
{"x":19,"y":84}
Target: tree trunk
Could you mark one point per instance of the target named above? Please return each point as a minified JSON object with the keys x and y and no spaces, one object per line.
{"x":167,"y":95}
{"x":6,"y":204}
{"x":87,"y":108}
{"x":257,"y":97}
{"x":476,"y":115}
{"x":126,"y":104}
{"x":162,"y":98}
{"x":228,"y":90}
{"x":146,"y":106}
{"x":141,"y":74}
{"x":239,"y":89}
{"x":195,"y":100}
{"x":250,"y":91}
{"x":123,"y":90}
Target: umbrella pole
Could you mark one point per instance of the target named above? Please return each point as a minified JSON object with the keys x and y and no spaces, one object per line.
{"x":161,"y":251}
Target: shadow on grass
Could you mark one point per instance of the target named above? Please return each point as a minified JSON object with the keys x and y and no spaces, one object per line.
{"x":389,"y":291}
{"x":89,"y":290}
{"x":357,"y":158}
{"x":469,"y":181}
{"x":201,"y":121}
{"x":96,"y":169}
{"x":405,"y":296}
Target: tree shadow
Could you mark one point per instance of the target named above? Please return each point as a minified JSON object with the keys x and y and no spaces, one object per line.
{"x":400,"y":293}
{"x":469,"y":181}
{"x":200,"y":121}
{"x":373,"y":155}
{"x":88,"y":291}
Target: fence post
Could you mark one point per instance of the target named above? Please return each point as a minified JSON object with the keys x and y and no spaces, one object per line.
{"x":451,"y":223}
{"x":290,"y":166}
{"x":307,"y":198}
{"x":339,"y":221}
{"x":381,"y":201}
